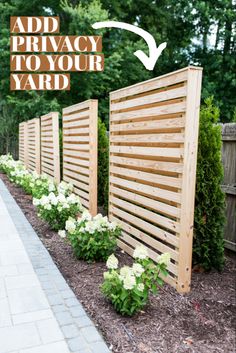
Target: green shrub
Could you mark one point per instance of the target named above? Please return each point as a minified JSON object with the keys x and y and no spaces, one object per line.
{"x":92,"y":239}
{"x":103,"y":165}
{"x":208,"y":246}
{"x":128,"y":287}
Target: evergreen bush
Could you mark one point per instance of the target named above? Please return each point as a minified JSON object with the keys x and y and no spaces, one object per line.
{"x":208,"y":246}
{"x":103,"y":165}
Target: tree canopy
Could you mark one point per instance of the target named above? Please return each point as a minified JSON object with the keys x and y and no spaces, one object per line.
{"x":197,"y":32}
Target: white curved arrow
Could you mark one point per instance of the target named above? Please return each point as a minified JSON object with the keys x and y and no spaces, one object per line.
{"x":154,"y":52}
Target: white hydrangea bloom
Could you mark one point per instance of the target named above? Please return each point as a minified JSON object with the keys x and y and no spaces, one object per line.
{"x":112,"y":262}
{"x":70,"y":225}
{"x":125,"y":271}
{"x":86,"y":216}
{"x":129,"y":282}
{"x":61,"y":198}
{"x":51,"y":187}
{"x":138,"y":269}
{"x":62,"y":233}
{"x":44,"y":200}
{"x":48,"y":207}
{"x":164,"y":259}
{"x":36,"y":202}
{"x":140,"y":252}
{"x":140,"y":287}
{"x":53,"y":199}
{"x":112,"y":226}
{"x":59,"y":208}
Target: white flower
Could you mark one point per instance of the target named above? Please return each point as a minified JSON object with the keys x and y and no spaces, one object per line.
{"x":51,"y":187}
{"x":164,"y":259}
{"x":129,"y":282}
{"x":112,"y":226}
{"x":61,"y":198}
{"x":36,"y":202}
{"x":112,"y":262}
{"x":70,"y":225}
{"x":125,"y":271}
{"x":48,"y":207}
{"x":86,"y":216}
{"x":140,"y":252}
{"x":138,"y":269}
{"x":53,"y":199}
{"x":59,"y":208}
{"x":62,"y":233}
{"x":44,"y":200}
{"x":140,"y":287}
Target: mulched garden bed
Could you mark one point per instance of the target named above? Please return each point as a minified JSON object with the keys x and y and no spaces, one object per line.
{"x":202,"y":321}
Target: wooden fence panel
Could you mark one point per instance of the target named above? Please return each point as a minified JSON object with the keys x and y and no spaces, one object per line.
{"x":33,"y":146}
{"x":153,"y":155}
{"x":50,"y":149}
{"x":229,"y":184}
{"x":80,"y":151}
{"x":23,"y":140}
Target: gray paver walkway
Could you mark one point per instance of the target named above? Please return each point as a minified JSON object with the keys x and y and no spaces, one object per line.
{"x":39,"y":313}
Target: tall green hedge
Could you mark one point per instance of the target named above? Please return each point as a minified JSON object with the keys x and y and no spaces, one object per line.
{"x":103,"y":165}
{"x":208,"y":246}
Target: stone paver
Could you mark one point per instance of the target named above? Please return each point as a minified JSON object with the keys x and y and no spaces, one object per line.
{"x":39,"y":313}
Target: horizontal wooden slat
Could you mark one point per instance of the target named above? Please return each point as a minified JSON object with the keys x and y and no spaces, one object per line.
{"x":68,"y":125}
{"x":78,"y":106}
{"x":75,"y":131}
{"x":79,"y":138}
{"x":148,"y":164}
{"x":148,"y":138}
{"x":150,"y":112}
{"x":75,"y":147}
{"x":76,"y":115}
{"x":148,"y":151}
{"x":163,"y":81}
{"x":174,"y":123}
{"x":151,"y":98}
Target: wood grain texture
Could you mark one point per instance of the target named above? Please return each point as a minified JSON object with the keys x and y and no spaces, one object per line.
{"x":50,"y":149}
{"x":80,"y":151}
{"x":229,"y":183}
{"x":33,"y":145}
{"x":153,"y":153}
{"x":23,"y":143}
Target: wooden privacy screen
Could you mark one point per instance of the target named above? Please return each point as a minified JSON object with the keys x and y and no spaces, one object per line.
{"x":50,"y":150}
{"x":153,"y":150}
{"x":80,"y":151}
{"x":23,"y":139}
{"x":33,"y":147}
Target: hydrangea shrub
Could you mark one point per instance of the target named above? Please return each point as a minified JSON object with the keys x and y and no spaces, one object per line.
{"x":57,"y":208}
{"x":92,"y":238}
{"x":128,"y":288}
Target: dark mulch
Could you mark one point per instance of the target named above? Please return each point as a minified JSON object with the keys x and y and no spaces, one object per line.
{"x":202,"y":321}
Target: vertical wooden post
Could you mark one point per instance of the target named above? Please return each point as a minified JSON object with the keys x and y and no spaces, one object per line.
{"x":23,"y":140}
{"x":37,"y":146}
{"x":56,"y":146}
{"x":189,"y":178}
{"x":93,"y":135}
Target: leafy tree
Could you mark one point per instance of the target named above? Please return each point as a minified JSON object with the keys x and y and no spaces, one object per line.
{"x":208,"y":247}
